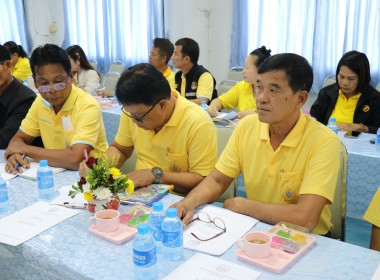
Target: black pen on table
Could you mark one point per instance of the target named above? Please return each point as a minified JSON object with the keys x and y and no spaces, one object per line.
{"x":18,"y":164}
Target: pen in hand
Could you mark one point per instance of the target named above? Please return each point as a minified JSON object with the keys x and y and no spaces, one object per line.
{"x":85,"y":154}
{"x":18,"y":164}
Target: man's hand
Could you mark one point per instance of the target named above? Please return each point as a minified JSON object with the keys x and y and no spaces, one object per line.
{"x":212,"y":111}
{"x":141,"y":178}
{"x":12,"y":162}
{"x":184,"y":212}
{"x":16,"y":147}
{"x":83,"y":168}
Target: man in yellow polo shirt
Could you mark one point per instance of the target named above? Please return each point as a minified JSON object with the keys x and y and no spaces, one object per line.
{"x":174,"y":139}
{"x":68,"y":119}
{"x":193,"y":81}
{"x":160,"y":54}
{"x":289,"y":161}
{"x":373,"y":216}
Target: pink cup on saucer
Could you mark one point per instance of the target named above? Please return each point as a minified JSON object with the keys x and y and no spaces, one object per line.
{"x":256,"y":244}
{"x":106,"y":220}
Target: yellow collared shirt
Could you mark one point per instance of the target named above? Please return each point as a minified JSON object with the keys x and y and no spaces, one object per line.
{"x":79,"y":121}
{"x":344,"y":109}
{"x":169,"y":75}
{"x":240,"y":96}
{"x":22,"y":69}
{"x":186,"y":143}
{"x":373,"y":212}
{"x":205,"y":86}
{"x":306,"y":162}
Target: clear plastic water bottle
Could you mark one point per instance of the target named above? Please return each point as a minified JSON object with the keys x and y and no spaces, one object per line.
{"x":204,"y":106}
{"x":4,"y":201}
{"x":156,"y":218}
{"x":378,"y":137}
{"x":144,"y":253}
{"x":45,"y":181}
{"x":172,"y":236}
{"x":332,"y":125}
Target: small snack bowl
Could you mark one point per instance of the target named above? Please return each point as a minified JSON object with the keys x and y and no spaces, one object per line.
{"x":136,"y":215}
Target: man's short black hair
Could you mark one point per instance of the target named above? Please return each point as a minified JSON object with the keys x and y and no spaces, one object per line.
{"x":142,"y":84}
{"x":190,"y":48}
{"x":297,"y":70}
{"x":49,"y":54}
{"x":4,"y":54}
{"x":358,"y":63}
{"x":166,"y":48}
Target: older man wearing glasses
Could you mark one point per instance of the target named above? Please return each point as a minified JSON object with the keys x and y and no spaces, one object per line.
{"x":174,"y":139}
{"x":68,"y":119}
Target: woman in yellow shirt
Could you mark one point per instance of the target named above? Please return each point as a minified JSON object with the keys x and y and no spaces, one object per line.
{"x":20,"y":63}
{"x":242,"y":94}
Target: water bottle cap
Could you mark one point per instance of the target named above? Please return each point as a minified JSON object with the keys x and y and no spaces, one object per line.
{"x":203,"y":102}
{"x":158,"y":206}
{"x":171,"y":212}
{"x":333,"y":119}
{"x":143,"y":228}
{"x":43,"y":162}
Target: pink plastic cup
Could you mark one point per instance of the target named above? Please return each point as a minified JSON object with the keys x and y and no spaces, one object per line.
{"x":256,"y":244}
{"x":106,"y":220}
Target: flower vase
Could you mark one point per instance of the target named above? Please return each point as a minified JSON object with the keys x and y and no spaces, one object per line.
{"x":95,"y":205}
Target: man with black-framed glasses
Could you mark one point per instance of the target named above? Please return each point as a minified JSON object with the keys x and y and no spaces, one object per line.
{"x":174,"y":139}
{"x":15,"y":100}
{"x":68,"y":119}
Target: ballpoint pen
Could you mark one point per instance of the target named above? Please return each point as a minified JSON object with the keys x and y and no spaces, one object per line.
{"x":18,"y":164}
{"x":307,"y":112}
{"x":68,"y":205}
{"x":85,"y":154}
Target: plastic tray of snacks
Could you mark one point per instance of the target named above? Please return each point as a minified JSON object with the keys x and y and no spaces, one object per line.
{"x":135,"y":215}
{"x":288,"y":243}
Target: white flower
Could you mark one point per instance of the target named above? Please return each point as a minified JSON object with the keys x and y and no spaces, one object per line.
{"x":86,"y":187}
{"x":102,"y":193}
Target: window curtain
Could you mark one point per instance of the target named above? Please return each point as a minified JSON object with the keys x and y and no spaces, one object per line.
{"x":110,"y":30}
{"x":12,"y":23}
{"x":319,"y":30}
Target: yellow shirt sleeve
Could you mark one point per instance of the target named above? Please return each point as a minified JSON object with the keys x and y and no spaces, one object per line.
{"x":205,"y":86}
{"x":22,"y":69}
{"x":123,"y":136}
{"x":30,"y":125}
{"x":373,"y":212}
{"x":230,"y":98}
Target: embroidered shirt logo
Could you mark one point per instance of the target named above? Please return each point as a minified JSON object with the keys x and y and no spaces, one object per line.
{"x":194,"y":85}
{"x":289,"y":195}
{"x":365,"y":108}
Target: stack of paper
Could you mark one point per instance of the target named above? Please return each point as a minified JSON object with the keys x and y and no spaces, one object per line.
{"x":30,"y":173}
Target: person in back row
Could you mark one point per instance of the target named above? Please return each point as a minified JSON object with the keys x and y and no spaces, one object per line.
{"x":20,"y":63}
{"x":67,"y":118}
{"x":193,"y":81}
{"x":160,"y":54}
{"x":85,"y":76}
{"x":242,"y":95}
{"x":372,"y":215}
{"x":288,"y":160}
{"x":174,"y":139}
{"x":15,"y":100}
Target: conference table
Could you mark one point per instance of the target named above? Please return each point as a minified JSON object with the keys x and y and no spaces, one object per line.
{"x":69,"y":251}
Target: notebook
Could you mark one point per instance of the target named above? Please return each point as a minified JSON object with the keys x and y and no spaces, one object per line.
{"x":30,"y":174}
{"x":146,"y":195}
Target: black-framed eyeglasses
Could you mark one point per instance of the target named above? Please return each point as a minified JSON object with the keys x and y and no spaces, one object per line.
{"x":143,"y":116}
{"x":204,"y":217}
{"x":58,"y":86}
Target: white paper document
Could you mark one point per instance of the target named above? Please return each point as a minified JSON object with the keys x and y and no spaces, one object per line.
{"x":205,"y":267}
{"x":64,"y":199}
{"x":236,"y":226}
{"x":30,"y":173}
{"x":31,"y":221}
{"x":227,"y":116}
{"x":376,"y":275}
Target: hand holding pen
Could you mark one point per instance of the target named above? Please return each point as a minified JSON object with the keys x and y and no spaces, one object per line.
{"x":15,"y":162}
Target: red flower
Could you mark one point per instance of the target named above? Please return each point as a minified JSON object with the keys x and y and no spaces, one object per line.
{"x":91,"y":161}
{"x":110,"y":179}
{"x":82,"y":181}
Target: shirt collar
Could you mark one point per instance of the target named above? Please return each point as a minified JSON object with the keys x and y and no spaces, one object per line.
{"x":354,"y":97}
{"x":167,"y":72}
{"x":178,"y":110}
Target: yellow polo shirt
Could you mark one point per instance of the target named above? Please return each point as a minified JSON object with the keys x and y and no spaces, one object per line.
{"x":169,"y":75}
{"x":22,"y":69}
{"x":306,"y":162}
{"x":186,"y":143}
{"x":240,"y":96}
{"x":344,"y":109}
{"x":205,"y":86}
{"x":79,"y":121}
{"x":373,"y":212}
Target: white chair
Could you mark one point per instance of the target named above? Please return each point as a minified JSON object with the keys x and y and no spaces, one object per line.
{"x":225,"y":86}
{"x":236,"y":73}
{"x":338,"y":207}
{"x":378,"y":87}
{"x":110,"y":81}
{"x":329,"y":81}
{"x":117,"y":66}
{"x":94,"y":64}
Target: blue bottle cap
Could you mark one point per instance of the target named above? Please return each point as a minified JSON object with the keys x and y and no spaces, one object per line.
{"x":43,"y":162}
{"x":203,"y":102}
{"x":158,"y":206}
{"x":333,"y":119}
{"x":143,"y":228}
{"x":171,"y":212}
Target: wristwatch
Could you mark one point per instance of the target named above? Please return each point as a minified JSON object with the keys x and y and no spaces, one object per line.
{"x":157,"y":172}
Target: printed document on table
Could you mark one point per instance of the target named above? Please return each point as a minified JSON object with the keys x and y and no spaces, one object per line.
{"x":31,"y":221}
{"x":236,"y":224}
{"x":202,"y":267}
{"x":64,"y":199}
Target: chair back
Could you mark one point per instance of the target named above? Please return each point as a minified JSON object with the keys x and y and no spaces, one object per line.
{"x":378,"y":87}
{"x":236,"y":73}
{"x":224,"y":134}
{"x":94,"y":64}
{"x":338,"y":207}
{"x":225,"y":86}
{"x":110,"y":81}
{"x":117,"y":66}
{"x":130,"y":164}
{"x":329,"y":81}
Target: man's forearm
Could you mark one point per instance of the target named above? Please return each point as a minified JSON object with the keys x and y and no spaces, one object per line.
{"x":183,"y":182}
